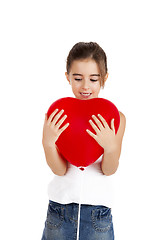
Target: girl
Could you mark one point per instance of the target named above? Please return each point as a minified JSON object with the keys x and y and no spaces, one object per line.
{"x":80,"y":207}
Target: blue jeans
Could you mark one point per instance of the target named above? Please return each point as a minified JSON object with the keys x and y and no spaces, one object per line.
{"x":62,"y":219}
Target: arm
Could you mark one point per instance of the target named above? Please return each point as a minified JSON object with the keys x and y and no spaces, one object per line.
{"x":51,"y":132}
{"x":110,"y":160}
{"x":55,"y":160}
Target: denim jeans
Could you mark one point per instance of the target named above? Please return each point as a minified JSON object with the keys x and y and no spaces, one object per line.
{"x":62,"y":221}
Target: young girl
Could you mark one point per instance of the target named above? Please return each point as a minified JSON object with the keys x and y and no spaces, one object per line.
{"x":80,"y":202}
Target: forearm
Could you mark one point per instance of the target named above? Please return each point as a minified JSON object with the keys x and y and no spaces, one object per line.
{"x":110,"y":161}
{"x":54,"y":160}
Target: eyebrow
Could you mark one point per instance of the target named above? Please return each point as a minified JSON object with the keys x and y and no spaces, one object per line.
{"x":77,"y":74}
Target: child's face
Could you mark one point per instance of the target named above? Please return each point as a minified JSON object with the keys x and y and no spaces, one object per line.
{"x":84,"y":77}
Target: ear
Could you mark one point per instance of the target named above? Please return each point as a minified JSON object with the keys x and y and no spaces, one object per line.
{"x":106,"y":76}
{"x":67,"y":77}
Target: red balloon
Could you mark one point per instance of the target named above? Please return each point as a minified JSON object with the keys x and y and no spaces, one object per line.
{"x":74,"y":143}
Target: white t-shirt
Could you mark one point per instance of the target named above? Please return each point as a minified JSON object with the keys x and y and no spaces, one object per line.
{"x":90,"y":186}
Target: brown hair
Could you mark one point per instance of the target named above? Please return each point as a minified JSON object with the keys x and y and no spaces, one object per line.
{"x":84,"y":50}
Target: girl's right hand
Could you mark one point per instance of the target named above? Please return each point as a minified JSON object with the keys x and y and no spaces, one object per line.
{"x":51,"y":131}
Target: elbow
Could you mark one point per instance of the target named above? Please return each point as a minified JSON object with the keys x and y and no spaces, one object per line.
{"x":60,"y":172}
{"x":109,"y":172}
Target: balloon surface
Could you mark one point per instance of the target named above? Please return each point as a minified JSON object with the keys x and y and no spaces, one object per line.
{"x":74,"y":143}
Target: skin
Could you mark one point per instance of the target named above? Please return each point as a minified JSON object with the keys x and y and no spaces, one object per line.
{"x":105,"y":136}
{"x":86,"y":68}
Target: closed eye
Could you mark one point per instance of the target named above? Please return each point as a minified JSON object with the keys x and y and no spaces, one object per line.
{"x":78,"y":79}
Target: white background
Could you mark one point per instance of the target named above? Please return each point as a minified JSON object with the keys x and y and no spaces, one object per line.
{"x":36,"y":37}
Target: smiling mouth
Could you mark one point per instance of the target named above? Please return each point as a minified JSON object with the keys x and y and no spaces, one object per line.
{"x":85,"y":94}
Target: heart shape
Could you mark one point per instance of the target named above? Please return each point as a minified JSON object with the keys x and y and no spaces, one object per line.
{"x":74,"y":143}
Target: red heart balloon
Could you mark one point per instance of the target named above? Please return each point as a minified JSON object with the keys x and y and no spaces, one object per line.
{"x":74,"y":143}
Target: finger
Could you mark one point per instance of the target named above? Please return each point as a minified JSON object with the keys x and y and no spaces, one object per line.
{"x":52,"y":115}
{"x":94,"y":126}
{"x":61,"y":121}
{"x":57,"y":117}
{"x":98,"y":122}
{"x":91,"y":134}
{"x":103,"y":121}
{"x":45,"y":117}
{"x":63,"y":128}
{"x":112,"y":125}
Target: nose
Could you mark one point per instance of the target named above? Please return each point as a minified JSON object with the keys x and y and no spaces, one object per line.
{"x":85,"y":85}
{"x":85,"y":88}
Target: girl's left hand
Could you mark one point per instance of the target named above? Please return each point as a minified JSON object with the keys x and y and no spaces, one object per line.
{"x":105,"y":136}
